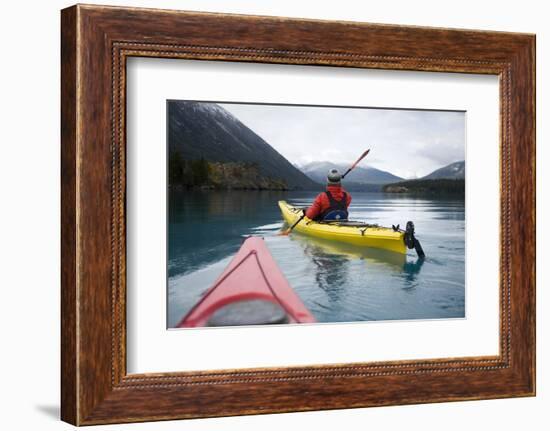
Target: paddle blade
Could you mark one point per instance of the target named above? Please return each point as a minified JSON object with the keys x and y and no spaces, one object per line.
{"x":360,"y":158}
{"x":352,"y":167}
{"x":287,"y":232}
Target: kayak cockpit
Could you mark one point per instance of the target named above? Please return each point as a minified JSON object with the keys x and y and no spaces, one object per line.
{"x":249,"y":312}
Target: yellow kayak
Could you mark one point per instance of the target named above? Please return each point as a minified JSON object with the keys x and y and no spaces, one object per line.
{"x":360,"y":235}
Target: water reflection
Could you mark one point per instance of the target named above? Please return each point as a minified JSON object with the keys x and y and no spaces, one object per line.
{"x":332,"y":261}
{"x":330,"y":274}
{"x":206,"y":226}
{"x":331,"y":249}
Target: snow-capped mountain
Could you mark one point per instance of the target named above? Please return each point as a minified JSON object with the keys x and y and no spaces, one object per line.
{"x":454,"y":171}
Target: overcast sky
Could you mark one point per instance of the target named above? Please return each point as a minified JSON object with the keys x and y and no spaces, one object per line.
{"x":406,"y":143}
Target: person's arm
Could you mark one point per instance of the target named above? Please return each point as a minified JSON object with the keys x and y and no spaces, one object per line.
{"x":316,"y":208}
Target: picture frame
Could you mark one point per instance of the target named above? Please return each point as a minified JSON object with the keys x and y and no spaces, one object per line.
{"x":96,"y":42}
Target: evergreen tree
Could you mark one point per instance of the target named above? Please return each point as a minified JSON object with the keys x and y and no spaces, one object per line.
{"x":175,"y":168}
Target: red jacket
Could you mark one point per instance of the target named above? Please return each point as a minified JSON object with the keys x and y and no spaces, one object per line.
{"x":321,"y":202}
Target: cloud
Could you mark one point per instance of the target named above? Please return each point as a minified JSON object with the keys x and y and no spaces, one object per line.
{"x":408,"y":143}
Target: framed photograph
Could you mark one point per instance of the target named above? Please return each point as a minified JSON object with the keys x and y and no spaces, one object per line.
{"x":293,"y":193}
{"x":265,"y":215}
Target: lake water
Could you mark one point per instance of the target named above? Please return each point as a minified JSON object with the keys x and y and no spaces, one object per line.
{"x":337,"y":283}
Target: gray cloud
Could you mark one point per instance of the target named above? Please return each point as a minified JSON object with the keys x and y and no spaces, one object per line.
{"x":407,"y":143}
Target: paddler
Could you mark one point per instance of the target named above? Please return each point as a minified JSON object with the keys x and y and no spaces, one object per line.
{"x":333,"y":203}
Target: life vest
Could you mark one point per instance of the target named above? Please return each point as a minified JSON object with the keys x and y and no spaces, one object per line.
{"x":338,"y":210}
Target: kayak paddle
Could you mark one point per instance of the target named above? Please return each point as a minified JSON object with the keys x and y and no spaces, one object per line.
{"x":356,"y":163}
{"x":287,"y":232}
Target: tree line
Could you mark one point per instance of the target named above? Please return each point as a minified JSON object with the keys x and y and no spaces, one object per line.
{"x":219,"y":175}
{"x":435,"y":186}
{"x":187,"y":173}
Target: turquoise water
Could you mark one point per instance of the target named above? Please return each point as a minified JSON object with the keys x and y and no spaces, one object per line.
{"x":337,"y":283}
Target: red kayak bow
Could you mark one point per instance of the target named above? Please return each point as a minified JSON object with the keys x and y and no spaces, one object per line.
{"x":251,"y":285}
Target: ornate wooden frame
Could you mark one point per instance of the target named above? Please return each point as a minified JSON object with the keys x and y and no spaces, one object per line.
{"x":95,"y":43}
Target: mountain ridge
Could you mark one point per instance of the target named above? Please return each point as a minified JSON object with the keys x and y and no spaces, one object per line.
{"x":204,"y":130}
{"x":449,"y":179}
{"x":452,"y":171}
{"x":317,"y":171}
